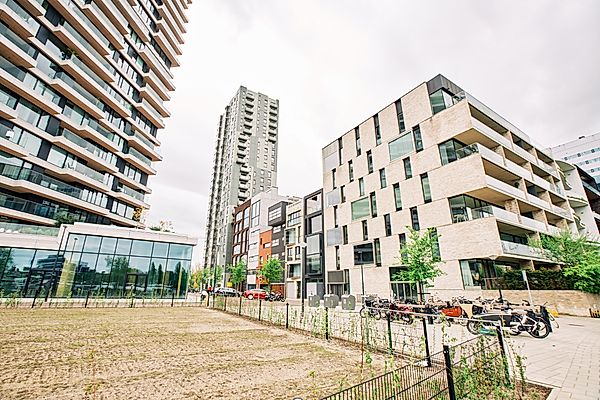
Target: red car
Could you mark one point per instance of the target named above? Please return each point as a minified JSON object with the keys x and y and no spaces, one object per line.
{"x":255,"y":294}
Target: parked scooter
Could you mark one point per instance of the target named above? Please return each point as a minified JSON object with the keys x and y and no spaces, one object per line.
{"x":516,"y":320}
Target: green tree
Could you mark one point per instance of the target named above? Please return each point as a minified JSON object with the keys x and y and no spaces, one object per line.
{"x":216,"y":275}
{"x":271,"y":271}
{"x":420,"y":256}
{"x":579,"y":256}
{"x":237,"y":273}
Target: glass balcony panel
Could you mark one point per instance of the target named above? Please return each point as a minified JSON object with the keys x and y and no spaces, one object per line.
{"x":7,"y":228}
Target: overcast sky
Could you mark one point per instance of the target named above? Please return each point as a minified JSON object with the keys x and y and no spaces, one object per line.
{"x":333,"y":63}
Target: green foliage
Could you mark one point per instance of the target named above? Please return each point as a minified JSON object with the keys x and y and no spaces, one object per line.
{"x":216,"y":273}
{"x":64,"y":218}
{"x":163,"y":226}
{"x":237,"y":273}
{"x":420,"y":258}
{"x":579,"y":256}
{"x":543,"y":279}
{"x":271,"y":271}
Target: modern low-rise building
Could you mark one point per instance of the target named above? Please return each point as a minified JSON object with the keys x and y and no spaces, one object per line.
{"x":293,"y":238}
{"x":91,"y":259}
{"x":439,"y":159}
{"x":583,"y":152}
{"x":584,"y":198}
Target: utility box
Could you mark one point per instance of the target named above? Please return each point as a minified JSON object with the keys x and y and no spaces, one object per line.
{"x":348,"y":302}
{"x":331,"y":300}
{"x":314,"y":300}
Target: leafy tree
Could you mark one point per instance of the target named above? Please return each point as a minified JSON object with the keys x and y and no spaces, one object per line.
{"x":237,"y":273}
{"x":200,"y":277}
{"x":420,"y":257}
{"x":579,"y":256}
{"x":271,"y":271}
{"x":64,"y":218}
{"x":216,"y":275}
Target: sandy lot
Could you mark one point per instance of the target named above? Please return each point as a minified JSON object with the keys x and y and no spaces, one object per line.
{"x":165,"y":353}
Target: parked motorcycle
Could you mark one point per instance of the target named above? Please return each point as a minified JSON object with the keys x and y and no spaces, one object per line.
{"x":516,"y":320}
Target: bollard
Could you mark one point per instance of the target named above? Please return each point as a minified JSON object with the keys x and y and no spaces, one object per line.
{"x":428,"y":355}
{"x":172,"y":299}
{"x":87,"y":297}
{"x":287,"y":315}
{"x":225,"y":303}
{"x":259,"y":308}
{"x":240,"y":307}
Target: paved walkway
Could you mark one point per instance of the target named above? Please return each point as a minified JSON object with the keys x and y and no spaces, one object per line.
{"x":568,"y":359}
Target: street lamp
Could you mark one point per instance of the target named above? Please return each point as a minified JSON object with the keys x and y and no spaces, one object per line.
{"x":303,"y":246}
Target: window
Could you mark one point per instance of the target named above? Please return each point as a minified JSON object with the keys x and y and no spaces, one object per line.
{"x":407,"y":168}
{"x":397,"y":197}
{"x":377,"y":130}
{"x":335,"y":216}
{"x":350,"y":171}
{"x":440,"y":100}
{"x":345,"y":234}
{"x":435,"y":246}
{"x":360,"y":208}
{"x":340,"y":152}
{"x":370,"y":162}
{"x":401,"y":146}
{"x":377,"y":245}
{"x":425,"y":187}
{"x":365,"y":230}
{"x":463,"y":208}
{"x":402,"y":241}
{"x":417,"y":138}
{"x":342,"y":194}
{"x":388,"y":224}
{"x":414,"y":217}
{"x":337,"y":258}
{"x":293,"y":218}
{"x":333,"y":178}
{"x":314,"y":224}
{"x":400,"y":116}
{"x":363,"y":254}
{"x":255,"y":214}
{"x":382,"y":179}
{"x":357,"y":140}
{"x":373,"y":200}
{"x":275,"y":214}
{"x":478,"y":273}
{"x":361,"y":187}
{"x":290,"y":236}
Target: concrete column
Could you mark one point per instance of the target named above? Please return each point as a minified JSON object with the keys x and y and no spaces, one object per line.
{"x":512,"y":206}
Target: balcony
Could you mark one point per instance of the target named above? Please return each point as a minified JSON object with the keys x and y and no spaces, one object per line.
{"x":9,"y":228}
{"x":28,"y":207}
{"x":131,"y":193}
{"x":10,"y":42}
{"x":505,"y":187}
{"x":140,"y":156}
{"x":13,"y":9}
{"x":522,"y":250}
{"x":92,"y":149}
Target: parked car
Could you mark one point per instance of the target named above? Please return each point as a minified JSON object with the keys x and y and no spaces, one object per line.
{"x":255,"y":294}
{"x":225,"y":291}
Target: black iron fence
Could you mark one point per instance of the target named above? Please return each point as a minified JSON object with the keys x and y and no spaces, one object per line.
{"x":470,"y":370}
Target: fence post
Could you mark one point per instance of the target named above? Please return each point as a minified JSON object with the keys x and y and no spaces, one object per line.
{"x":389,"y":326}
{"x":426,"y":335}
{"x":503,"y":352}
{"x":259,"y":308}
{"x":287,"y":315}
{"x":326,"y":323}
{"x":87,"y":296}
{"x":172,"y":299}
{"x":207,"y":299}
{"x":240,"y":307}
{"x":449,"y":375}
{"x":37,"y":292}
{"x":225,"y":303}
{"x":131,"y":304}
{"x":213,"y":296}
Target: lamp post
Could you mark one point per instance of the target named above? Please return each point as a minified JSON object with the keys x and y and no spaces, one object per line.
{"x":302,"y":246}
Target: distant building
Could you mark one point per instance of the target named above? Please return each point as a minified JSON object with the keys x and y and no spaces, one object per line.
{"x":583,"y":152}
{"x":245,"y":164}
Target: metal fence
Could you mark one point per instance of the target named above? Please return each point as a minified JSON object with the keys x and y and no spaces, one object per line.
{"x":469,"y":370}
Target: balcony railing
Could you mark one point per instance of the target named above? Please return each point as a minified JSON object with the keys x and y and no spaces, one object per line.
{"x":522,"y":250}
{"x":23,"y":229}
{"x":89,"y":147}
{"x":132,"y":193}
{"x":80,"y":90}
{"x":17,"y":41}
{"x":21,"y":12}
{"x":505,"y":187}
{"x":85,"y":170}
{"x":29,"y":207}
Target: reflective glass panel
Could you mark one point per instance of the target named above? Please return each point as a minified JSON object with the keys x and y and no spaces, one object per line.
{"x":160,"y":249}
{"x":141,"y":248}
{"x":123,"y":246}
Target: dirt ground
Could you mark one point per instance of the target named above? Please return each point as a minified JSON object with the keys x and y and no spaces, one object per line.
{"x":165,"y":353}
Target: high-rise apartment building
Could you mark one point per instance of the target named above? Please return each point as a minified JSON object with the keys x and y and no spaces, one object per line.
{"x":245,"y":164}
{"x":583,"y":152}
{"x":438,"y":158}
{"x":82,"y":90}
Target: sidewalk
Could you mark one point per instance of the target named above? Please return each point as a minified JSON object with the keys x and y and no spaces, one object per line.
{"x":568,"y":359}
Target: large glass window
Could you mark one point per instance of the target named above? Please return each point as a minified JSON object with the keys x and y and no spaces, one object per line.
{"x":397,"y":197}
{"x":440,"y":100}
{"x":401,"y":146}
{"x":315,"y":224}
{"x":75,"y":242}
{"x":123,"y":246}
{"x":141,"y":248}
{"x":160,"y":249}
{"x":363,"y":254}
{"x":255,"y":214}
{"x":448,"y":151}
{"x":313,"y":264}
{"x":181,"y":251}
{"x":425,"y":187}
{"x":478,"y":273}
{"x":360,"y":208}
{"x":92,"y":244}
